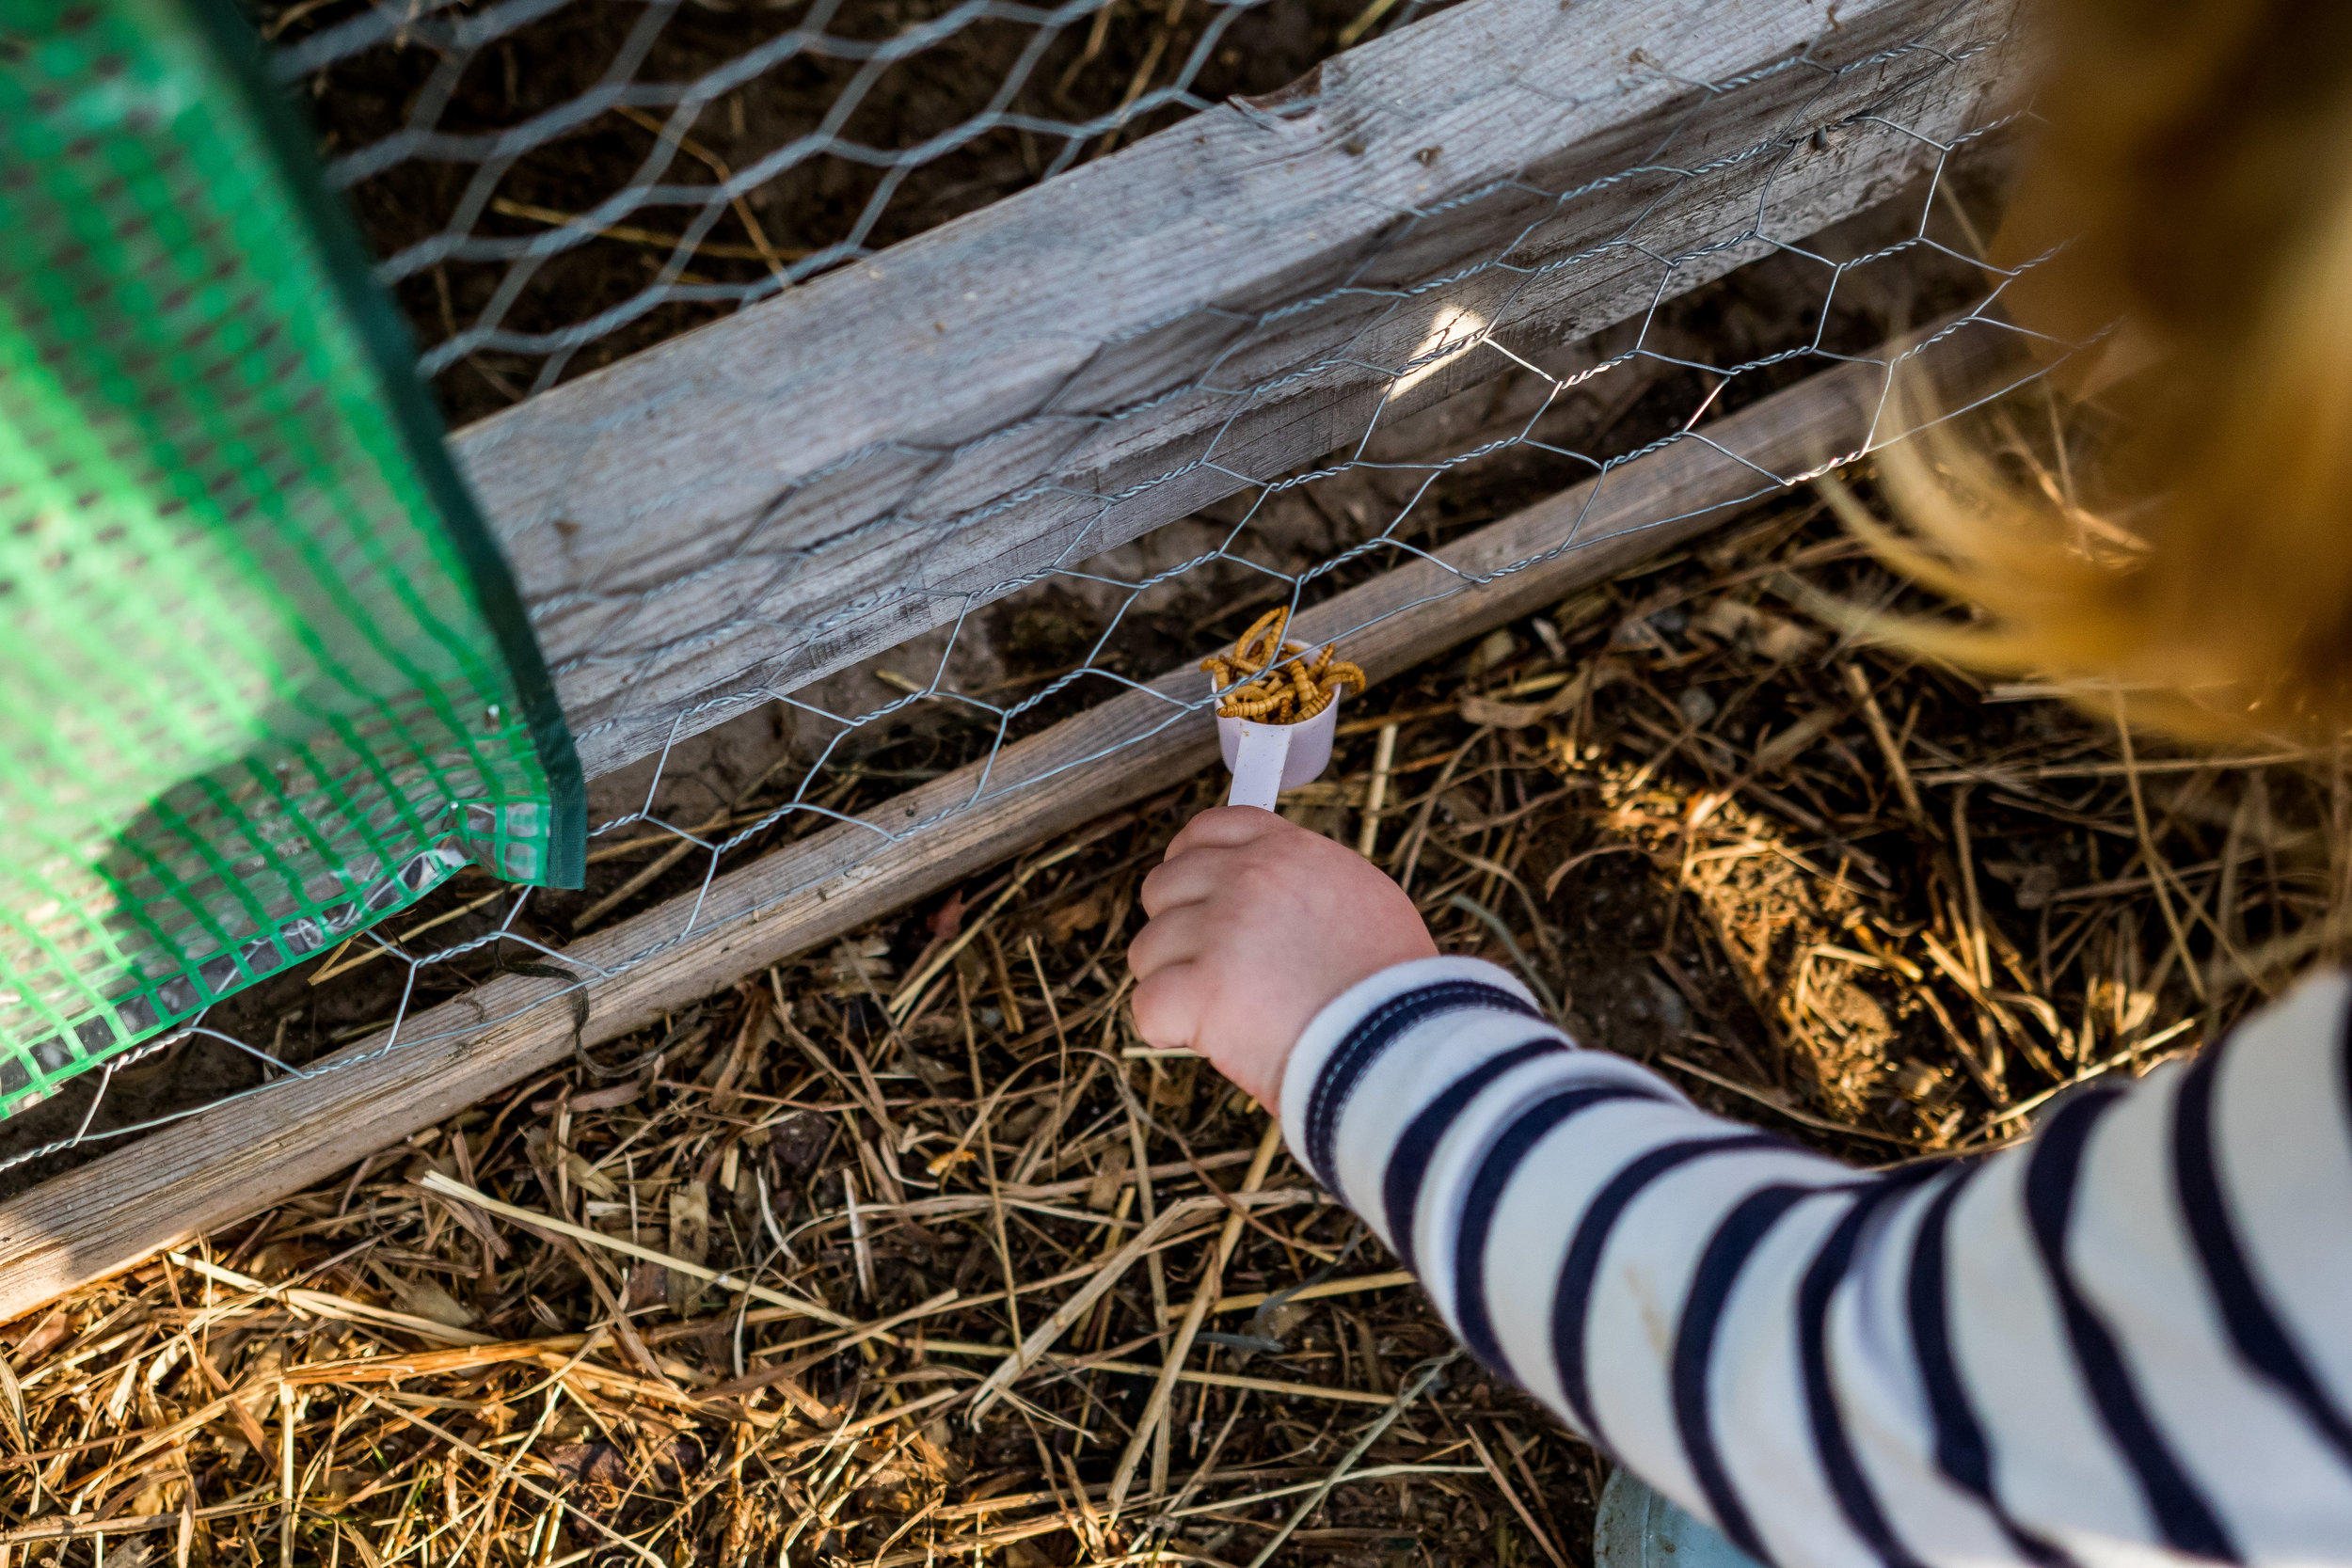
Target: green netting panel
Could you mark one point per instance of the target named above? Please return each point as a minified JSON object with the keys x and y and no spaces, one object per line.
{"x":264,"y":679}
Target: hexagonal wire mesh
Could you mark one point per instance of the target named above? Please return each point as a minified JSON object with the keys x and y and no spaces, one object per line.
{"x":554,"y":184}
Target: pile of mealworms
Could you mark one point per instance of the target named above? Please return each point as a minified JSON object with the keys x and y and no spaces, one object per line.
{"x":1275,"y":687}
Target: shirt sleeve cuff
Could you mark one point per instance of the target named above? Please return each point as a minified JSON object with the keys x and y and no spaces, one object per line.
{"x":1311,"y":1057}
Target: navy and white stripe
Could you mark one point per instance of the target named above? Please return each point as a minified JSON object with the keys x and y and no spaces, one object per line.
{"x":2128,"y":1342}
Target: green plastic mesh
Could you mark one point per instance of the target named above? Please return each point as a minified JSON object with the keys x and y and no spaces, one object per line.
{"x":264,"y":680}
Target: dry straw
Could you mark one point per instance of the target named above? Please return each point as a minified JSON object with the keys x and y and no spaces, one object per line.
{"x":894,"y":1256}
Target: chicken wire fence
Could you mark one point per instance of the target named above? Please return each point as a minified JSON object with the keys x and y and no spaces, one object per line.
{"x":552,"y":185}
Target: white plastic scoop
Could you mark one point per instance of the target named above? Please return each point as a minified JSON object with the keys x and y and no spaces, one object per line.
{"x":1266,"y":760}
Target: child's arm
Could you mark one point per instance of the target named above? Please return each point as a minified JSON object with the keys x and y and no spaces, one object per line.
{"x":2135,"y":1333}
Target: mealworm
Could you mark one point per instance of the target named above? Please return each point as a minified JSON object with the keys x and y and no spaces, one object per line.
{"x":1291,"y":694}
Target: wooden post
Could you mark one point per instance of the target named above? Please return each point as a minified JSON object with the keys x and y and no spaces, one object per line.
{"x":217,"y":1166}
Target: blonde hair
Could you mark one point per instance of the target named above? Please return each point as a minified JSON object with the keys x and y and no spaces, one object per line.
{"x":2194,"y":174}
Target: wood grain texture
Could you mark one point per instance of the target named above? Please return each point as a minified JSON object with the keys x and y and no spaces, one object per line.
{"x":218,"y":1166}
{"x":747,"y":507}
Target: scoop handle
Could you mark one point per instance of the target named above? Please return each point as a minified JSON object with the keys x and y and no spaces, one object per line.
{"x":1258,"y":768}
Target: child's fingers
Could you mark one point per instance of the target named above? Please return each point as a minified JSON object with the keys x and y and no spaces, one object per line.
{"x":1225,"y":828}
{"x":1166,"y":1006}
{"x":1182,"y":935}
{"x":1198,"y":875}
{"x":1171,"y":885}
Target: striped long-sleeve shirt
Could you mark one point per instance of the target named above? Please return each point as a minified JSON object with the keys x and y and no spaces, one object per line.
{"x":2128,"y":1341}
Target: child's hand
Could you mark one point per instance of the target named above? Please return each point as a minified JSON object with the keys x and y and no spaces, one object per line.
{"x":1256,"y":924}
